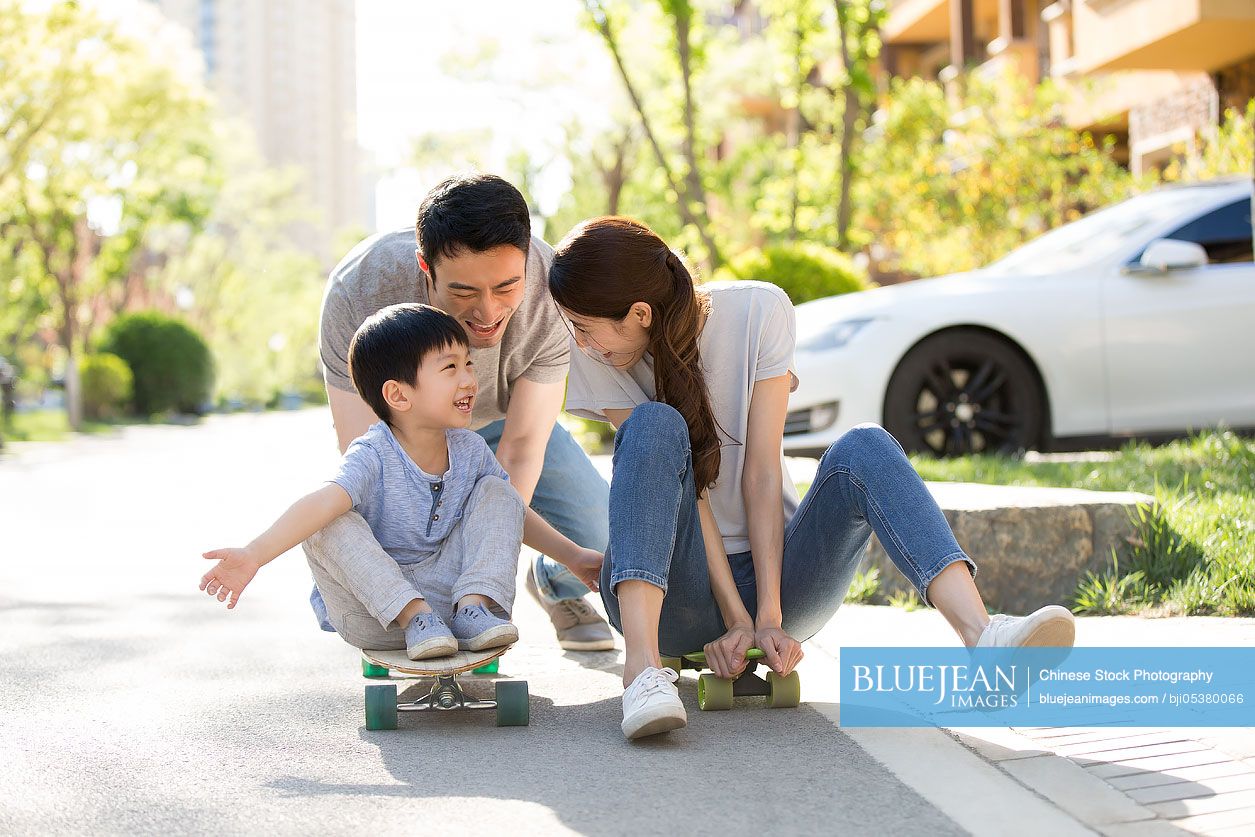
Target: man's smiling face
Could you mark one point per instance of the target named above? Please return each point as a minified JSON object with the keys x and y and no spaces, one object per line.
{"x":480,"y":290}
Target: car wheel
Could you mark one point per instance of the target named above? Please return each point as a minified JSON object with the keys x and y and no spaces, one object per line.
{"x":964,"y":392}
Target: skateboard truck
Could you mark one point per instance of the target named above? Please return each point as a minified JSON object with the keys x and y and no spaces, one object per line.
{"x":445,"y":694}
{"x":714,"y":693}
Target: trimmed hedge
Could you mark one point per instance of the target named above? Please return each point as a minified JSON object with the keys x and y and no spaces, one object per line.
{"x":171,"y":364}
{"x":805,"y":271}
{"x":107,"y":385}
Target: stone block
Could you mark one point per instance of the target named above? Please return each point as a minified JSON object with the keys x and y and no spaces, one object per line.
{"x":1031,"y":545}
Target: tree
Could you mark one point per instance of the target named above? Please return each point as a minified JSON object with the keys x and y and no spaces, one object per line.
{"x":688,"y":188}
{"x":949,"y":187}
{"x":858,"y":42}
{"x":95,"y":127}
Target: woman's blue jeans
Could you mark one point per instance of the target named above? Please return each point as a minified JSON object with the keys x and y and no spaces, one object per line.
{"x":864,"y":484}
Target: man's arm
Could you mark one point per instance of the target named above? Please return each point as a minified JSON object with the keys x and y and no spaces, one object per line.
{"x":529,"y":422}
{"x":351,"y":416}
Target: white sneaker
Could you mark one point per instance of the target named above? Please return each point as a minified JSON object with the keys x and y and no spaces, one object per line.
{"x":1051,"y":625}
{"x":652,"y":704}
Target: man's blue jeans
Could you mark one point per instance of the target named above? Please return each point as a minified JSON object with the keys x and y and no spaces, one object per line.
{"x":573,"y":497}
{"x":864,"y":484}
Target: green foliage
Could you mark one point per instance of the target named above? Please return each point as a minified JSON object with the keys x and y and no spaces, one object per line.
{"x":107,"y":386}
{"x":1112,"y":594}
{"x":907,"y":599}
{"x":1227,"y":149}
{"x":49,"y":426}
{"x":864,"y":588}
{"x":953,"y":185}
{"x":171,"y":363}
{"x":805,"y":271}
{"x":1196,"y":554}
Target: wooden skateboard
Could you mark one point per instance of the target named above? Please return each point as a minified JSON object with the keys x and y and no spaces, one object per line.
{"x":717,"y":692}
{"x":446,"y":693}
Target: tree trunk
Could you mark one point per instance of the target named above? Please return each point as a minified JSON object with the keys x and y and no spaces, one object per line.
{"x":602,"y":21}
{"x":849,"y":120}
{"x":614,"y":174}
{"x":795,"y":130}
{"x":693,"y":178}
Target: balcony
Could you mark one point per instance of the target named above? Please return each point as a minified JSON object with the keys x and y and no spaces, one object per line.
{"x":1180,"y":35}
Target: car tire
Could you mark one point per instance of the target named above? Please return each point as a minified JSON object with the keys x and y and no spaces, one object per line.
{"x":962,"y":392}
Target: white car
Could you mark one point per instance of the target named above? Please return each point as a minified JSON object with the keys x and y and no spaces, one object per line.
{"x":1136,"y":320}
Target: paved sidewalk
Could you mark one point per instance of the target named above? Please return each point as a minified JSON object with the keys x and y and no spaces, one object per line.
{"x":129,"y":702}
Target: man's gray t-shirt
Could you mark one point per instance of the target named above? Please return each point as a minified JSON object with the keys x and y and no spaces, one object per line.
{"x":409,"y":511}
{"x":383,"y":270}
{"x":748,"y":337}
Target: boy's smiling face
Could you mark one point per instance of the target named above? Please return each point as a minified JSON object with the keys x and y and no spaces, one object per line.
{"x":443,"y":394}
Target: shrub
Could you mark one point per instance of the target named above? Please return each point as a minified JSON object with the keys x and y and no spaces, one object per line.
{"x":171,"y":364}
{"x":106,"y":382}
{"x":804,"y":271}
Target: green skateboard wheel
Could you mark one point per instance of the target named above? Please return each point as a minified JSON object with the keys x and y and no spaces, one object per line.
{"x":489,"y":667}
{"x":786,"y":692}
{"x":713,"y":693}
{"x":676,"y":664}
{"x":369,"y":669}
{"x":381,"y":706}
{"x":512,"y":704}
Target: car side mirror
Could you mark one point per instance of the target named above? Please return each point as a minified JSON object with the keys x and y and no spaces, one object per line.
{"x":1165,"y":254}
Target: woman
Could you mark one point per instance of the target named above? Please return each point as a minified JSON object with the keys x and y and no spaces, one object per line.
{"x":709,"y":545}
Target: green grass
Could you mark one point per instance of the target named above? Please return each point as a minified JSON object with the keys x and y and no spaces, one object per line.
{"x":1194,"y":555}
{"x":48,"y":426}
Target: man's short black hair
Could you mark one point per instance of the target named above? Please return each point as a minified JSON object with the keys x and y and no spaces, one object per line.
{"x":391,"y":345}
{"x":475,"y":212}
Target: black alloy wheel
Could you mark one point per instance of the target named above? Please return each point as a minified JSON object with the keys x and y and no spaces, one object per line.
{"x":962,"y":392}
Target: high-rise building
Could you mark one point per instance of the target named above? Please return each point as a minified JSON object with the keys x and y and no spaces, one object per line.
{"x":289,"y":67}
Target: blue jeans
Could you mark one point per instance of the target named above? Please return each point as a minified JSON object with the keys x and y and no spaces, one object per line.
{"x":864,"y":484}
{"x":573,"y":498}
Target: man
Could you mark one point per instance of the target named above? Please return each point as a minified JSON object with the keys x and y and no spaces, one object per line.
{"x":477,"y":260}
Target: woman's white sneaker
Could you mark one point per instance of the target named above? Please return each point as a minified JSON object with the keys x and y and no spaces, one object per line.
{"x":651,"y":704}
{"x":1051,"y":625}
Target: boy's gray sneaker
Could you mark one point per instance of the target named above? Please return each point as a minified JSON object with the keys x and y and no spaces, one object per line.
{"x":579,"y":627}
{"x":428,"y":636}
{"x":477,"y":628}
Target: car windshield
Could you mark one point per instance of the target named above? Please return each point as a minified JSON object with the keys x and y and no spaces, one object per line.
{"x":1101,"y":233}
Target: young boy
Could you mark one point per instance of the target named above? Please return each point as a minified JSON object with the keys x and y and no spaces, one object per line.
{"x":442,"y":509}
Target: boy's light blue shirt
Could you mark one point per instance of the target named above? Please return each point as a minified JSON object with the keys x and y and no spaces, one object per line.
{"x":410,"y":511}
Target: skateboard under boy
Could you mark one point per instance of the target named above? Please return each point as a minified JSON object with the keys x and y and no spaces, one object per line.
{"x":446,"y":693}
{"x":717,"y":692}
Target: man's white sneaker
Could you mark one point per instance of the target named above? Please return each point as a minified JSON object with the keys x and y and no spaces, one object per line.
{"x":651,"y":704}
{"x":1051,"y":625}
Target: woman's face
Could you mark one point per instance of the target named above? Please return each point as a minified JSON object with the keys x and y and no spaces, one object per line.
{"x":617,"y":343}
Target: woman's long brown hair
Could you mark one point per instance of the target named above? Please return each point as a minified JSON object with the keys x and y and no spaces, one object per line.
{"x":605,"y":265}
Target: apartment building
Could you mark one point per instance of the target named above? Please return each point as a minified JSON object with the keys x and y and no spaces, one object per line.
{"x":1152,"y":73}
{"x":289,"y":67}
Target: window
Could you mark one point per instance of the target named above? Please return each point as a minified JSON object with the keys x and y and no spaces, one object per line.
{"x":1224,"y":233}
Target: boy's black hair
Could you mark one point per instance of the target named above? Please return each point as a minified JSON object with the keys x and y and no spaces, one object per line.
{"x":475,"y":212}
{"x":391,"y":345}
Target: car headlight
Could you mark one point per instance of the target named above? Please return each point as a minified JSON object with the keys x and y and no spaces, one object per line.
{"x":834,"y":336}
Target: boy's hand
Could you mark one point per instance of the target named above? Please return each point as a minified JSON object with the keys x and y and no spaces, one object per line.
{"x":234,"y":570}
{"x":586,"y":565}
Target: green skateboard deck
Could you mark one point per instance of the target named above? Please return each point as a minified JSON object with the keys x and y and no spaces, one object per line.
{"x":716,"y":693}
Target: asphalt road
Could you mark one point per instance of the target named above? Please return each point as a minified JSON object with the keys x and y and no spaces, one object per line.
{"x":131,"y":703}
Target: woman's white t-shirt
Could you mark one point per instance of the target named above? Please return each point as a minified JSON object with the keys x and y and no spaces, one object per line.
{"x":748,"y":337}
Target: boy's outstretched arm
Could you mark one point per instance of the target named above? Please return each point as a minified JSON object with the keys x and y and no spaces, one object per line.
{"x":237,"y":566}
